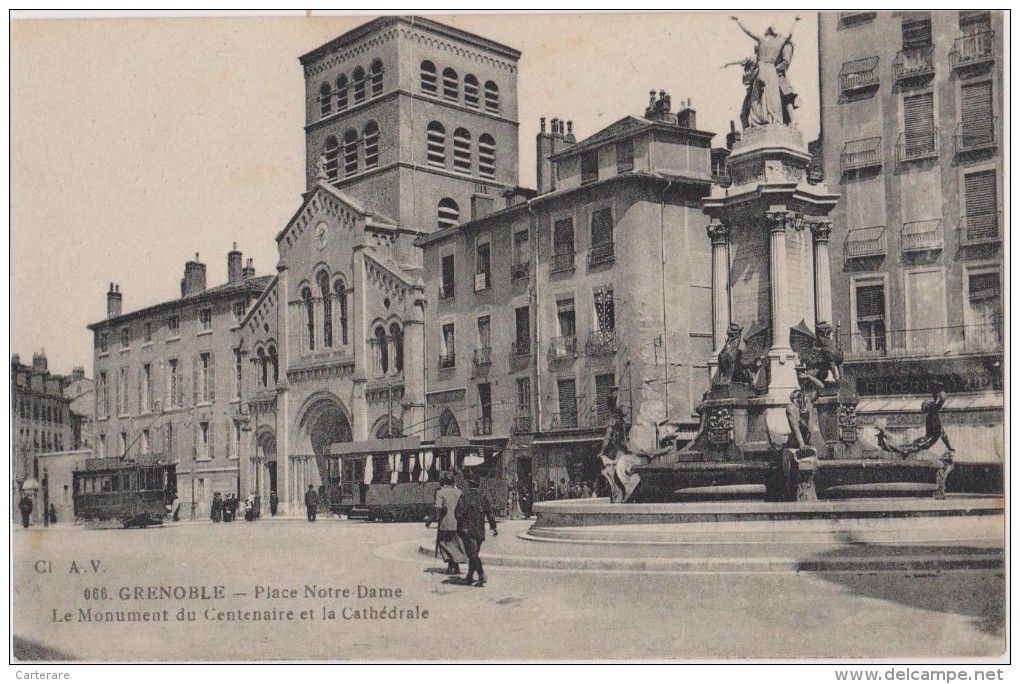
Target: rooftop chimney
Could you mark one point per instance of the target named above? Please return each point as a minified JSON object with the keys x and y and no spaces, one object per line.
{"x":547,"y":145}
{"x":15,"y":359}
{"x":733,"y":136}
{"x":659,"y":109}
{"x":77,"y":373}
{"x":114,"y":301}
{"x":686,"y":117}
{"x":249,"y":270}
{"x":193,"y":281}
{"x":39,"y":364}
{"x":234,"y":271}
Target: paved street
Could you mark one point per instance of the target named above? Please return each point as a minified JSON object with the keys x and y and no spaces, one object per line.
{"x":521,"y":614}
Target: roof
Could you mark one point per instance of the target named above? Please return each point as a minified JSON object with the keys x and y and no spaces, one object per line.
{"x":255,"y":286}
{"x":382,"y":23}
{"x":624,"y":128}
{"x":372,"y":219}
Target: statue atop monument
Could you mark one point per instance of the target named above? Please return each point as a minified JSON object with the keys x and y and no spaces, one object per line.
{"x":770,"y":97}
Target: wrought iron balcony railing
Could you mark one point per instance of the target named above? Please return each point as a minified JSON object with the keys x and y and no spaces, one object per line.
{"x":914,"y":63}
{"x":977,"y":229}
{"x":921,"y":236}
{"x":601,"y":342}
{"x":522,"y":424}
{"x":561,"y":262}
{"x":854,"y":18}
{"x":563,"y":420}
{"x":915,"y":147}
{"x":447,"y":360}
{"x":925,"y":342}
{"x":972,"y":49}
{"x":520,"y":348}
{"x":483,"y":425}
{"x":865,"y":242}
{"x":483,"y":356}
{"x":564,"y":347}
{"x":601,"y":253}
{"x":520,"y":271}
{"x":859,"y":74}
{"x":977,"y":136}
{"x":861,"y":154}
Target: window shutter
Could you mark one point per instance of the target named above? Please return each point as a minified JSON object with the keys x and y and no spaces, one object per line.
{"x":980,"y":193}
{"x":984,"y":286}
{"x":976,"y":113}
{"x":194,"y":379}
{"x":194,"y":446}
{"x":916,"y":30}
{"x":141,"y":405}
{"x":211,"y":393}
{"x":116,"y":396}
{"x":211,"y":431}
{"x":603,"y":388}
{"x":567,"y":391}
{"x":919,"y":123}
{"x":871,"y":301}
{"x":228,"y":443}
{"x":602,"y":227}
{"x":563,"y":236}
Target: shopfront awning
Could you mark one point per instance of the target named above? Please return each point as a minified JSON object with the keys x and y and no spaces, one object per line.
{"x":560,"y":440}
{"x":370,"y":446}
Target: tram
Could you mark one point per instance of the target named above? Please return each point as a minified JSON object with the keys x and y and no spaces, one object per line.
{"x":115,"y":492}
{"x":396,"y":479}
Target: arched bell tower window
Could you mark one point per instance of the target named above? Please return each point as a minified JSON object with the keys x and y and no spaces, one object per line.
{"x":325,"y":100}
{"x":341,"y":93}
{"x":486,"y":156}
{"x":371,"y":137}
{"x":449,"y":213}
{"x":350,"y":152}
{"x":471,"y":90}
{"x":306,"y":297}
{"x":358,"y":81}
{"x":451,"y":85}
{"x":491,"y":97}
{"x":322,"y":280}
{"x":428,"y":78}
{"x":331,"y":155}
{"x":462,"y":150}
{"x":377,"y":77}
{"x":436,"y":143}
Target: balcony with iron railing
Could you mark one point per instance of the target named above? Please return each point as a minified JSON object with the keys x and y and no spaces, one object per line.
{"x":600,"y":342}
{"x":520,"y":271}
{"x":859,"y":75}
{"x":561,"y":262}
{"x":519,"y":348}
{"x":973,"y":50}
{"x":979,"y":229}
{"x":925,"y":342}
{"x":858,"y":155}
{"x":483,"y":425}
{"x":914,"y":63}
{"x":917,"y":147}
{"x":865,"y":242}
{"x":601,"y":253}
{"x":564,"y":420}
{"x":973,"y":137}
{"x":564,"y":347}
{"x":921,"y":236}
{"x":483,"y":356}
{"x":855,"y":18}
{"x":522,"y":424}
{"x":448,"y":360}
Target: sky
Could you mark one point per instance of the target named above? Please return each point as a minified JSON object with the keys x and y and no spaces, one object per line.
{"x":136,"y":143}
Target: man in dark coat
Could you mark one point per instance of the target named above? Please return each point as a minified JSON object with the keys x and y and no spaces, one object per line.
{"x":311,"y":503}
{"x":473,"y":509}
{"x":274,"y":503}
{"x":25,"y":506}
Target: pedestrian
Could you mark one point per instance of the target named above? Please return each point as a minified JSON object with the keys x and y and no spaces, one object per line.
{"x":216,"y":509}
{"x":175,"y":508}
{"x":53,"y":514}
{"x":274,"y":503}
{"x":473,"y":509}
{"x":228,"y":503}
{"x":25,"y":505}
{"x":257,"y":503}
{"x":447,"y":540}
{"x":524,"y":499}
{"x":585,"y":490}
{"x":311,"y":503}
{"x":249,"y":508}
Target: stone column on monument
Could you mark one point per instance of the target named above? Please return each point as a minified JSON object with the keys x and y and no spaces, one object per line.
{"x":782,"y":359}
{"x":823,"y":280}
{"x":719,"y":234}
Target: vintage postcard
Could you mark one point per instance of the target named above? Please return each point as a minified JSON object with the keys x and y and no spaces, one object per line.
{"x":510,"y":337}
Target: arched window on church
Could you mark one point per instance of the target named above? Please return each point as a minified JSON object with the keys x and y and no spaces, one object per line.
{"x":261,"y":353}
{"x":325,"y":100}
{"x":340,"y":292}
{"x":371,"y":136}
{"x":397,"y":338}
{"x":306,"y":297}
{"x":341,"y":93}
{"x":350,"y":152}
{"x":274,"y":361}
{"x":428,"y":78}
{"x":471,"y":91}
{"x":486,"y":156}
{"x":322,"y":280}
{"x":449,"y":213}
{"x":331,"y":155}
{"x":376,"y":71}
{"x":491,"y":97}
{"x":382,"y":358}
{"x":358,"y":81}
{"x":435,"y":138}
{"x":462,"y":150}
{"x":451,"y":85}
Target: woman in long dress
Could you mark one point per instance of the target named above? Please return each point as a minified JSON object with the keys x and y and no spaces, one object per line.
{"x":768,"y":104}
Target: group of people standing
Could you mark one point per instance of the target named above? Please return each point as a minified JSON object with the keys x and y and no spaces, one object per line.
{"x":461,"y":517}
{"x":224,"y":508}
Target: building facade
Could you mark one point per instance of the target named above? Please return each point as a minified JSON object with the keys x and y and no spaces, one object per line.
{"x":410,"y":125}
{"x":167,"y":381}
{"x":600,"y":283}
{"x":41,"y":417}
{"x":911,"y":131}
